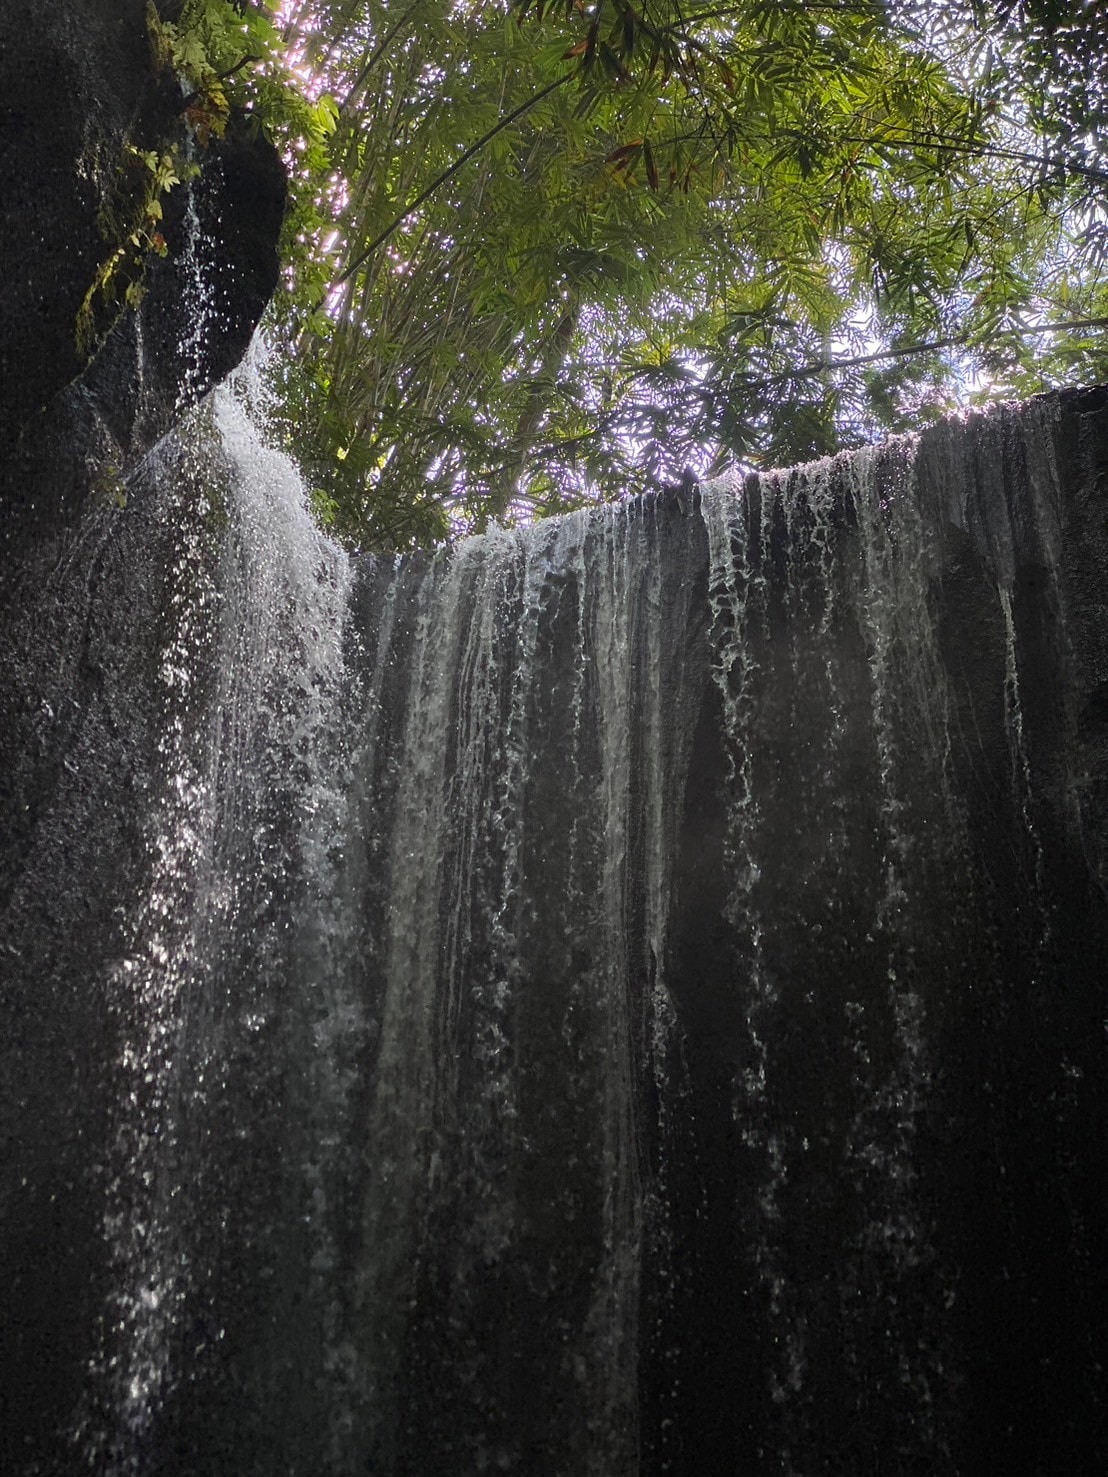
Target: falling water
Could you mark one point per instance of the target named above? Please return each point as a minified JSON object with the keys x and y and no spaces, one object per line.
{"x":552,"y":1002}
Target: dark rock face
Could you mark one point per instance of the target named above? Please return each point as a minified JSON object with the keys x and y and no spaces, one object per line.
{"x":623,"y":996}
{"x":620,"y":996}
{"x":72,"y":77}
{"x":77,"y":86}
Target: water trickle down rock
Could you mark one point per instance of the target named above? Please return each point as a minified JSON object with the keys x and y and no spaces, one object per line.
{"x":623,"y":995}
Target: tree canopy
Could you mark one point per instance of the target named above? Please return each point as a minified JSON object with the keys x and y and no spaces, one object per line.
{"x":548,"y":251}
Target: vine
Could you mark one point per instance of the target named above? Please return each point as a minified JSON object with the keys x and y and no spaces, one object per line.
{"x":119,"y":282}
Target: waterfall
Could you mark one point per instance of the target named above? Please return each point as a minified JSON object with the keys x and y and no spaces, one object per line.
{"x":617,"y":995}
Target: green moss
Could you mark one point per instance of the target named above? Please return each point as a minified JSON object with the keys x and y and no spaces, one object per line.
{"x":109,"y":487}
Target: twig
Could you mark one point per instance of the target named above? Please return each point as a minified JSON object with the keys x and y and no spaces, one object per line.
{"x":449,"y":173}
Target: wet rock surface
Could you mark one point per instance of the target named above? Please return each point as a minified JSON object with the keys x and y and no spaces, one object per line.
{"x":624,"y":995}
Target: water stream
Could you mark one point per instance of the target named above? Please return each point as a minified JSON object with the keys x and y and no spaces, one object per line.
{"x":568,"y":1003}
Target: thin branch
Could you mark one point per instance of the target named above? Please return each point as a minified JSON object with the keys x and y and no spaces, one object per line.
{"x":723,"y":12}
{"x":955,"y":341}
{"x":376,"y":54}
{"x":940,"y":142}
{"x":450,"y":172}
